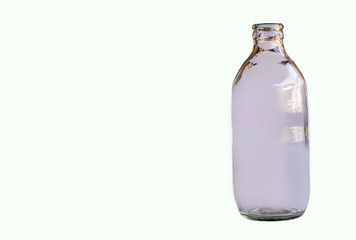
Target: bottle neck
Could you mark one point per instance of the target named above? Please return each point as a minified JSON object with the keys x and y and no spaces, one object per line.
{"x":268,"y":37}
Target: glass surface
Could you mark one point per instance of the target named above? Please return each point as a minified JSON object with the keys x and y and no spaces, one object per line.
{"x":270,"y":131}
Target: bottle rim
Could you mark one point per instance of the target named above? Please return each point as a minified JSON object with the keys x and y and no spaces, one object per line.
{"x":267,"y":26}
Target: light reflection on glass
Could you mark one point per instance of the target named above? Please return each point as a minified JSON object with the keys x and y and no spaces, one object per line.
{"x":291,"y":95}
{"x":293,"y":134}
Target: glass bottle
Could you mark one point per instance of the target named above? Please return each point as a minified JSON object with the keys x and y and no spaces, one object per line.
{"x":270,"y":131}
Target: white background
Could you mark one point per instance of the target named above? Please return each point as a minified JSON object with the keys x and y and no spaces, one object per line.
{"x":115,"y":117}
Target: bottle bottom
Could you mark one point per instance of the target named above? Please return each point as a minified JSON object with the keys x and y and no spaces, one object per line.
{"x":272,"y":214}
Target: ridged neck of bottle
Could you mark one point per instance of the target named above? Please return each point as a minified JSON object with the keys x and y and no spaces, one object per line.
{"x":268,"y":36}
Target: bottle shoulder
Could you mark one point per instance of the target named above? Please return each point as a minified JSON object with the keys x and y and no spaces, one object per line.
{"x":269,"y":67}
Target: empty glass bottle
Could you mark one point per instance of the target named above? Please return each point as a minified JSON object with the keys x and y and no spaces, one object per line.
{"x":270,"y":131}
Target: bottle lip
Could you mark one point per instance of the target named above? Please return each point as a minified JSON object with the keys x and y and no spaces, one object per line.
{"x":267,"y":26}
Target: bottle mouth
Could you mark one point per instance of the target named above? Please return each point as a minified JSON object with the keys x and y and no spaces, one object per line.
{"x":267,"y":27}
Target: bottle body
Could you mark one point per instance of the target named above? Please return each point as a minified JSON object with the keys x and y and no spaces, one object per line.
{"x":270,"y":135}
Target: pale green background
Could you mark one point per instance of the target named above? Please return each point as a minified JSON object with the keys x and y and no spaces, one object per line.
{"x":115,"y":117}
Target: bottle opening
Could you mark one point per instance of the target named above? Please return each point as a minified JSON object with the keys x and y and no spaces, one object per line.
{"x":267,"y":27}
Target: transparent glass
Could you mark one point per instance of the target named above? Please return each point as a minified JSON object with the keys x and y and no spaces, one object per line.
{"x":270,"y":131}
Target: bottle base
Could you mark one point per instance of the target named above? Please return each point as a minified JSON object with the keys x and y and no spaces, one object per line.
{"x":272,"y":214}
